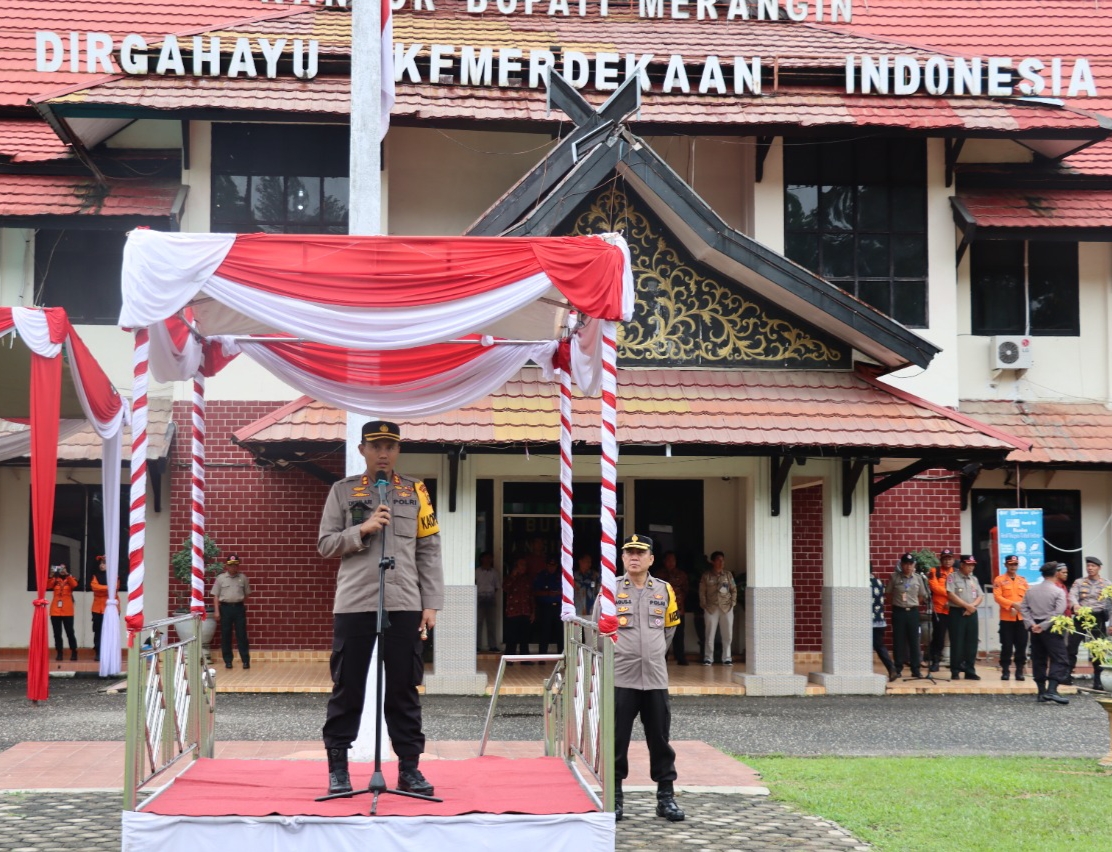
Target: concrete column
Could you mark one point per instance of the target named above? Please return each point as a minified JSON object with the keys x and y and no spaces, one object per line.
{"x":769,"y":599}
{"x":454,"y":650}
{"x":847,"y":649}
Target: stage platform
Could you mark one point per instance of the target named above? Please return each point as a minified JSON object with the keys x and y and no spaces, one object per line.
{"x":490,"y":803}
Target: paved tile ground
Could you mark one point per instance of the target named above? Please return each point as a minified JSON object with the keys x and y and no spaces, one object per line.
{"x":307,"y":672}
{"x":90,"y":822}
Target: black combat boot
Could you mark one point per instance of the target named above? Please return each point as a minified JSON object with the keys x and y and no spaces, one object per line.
{"x":1004,"y":674}
{"x":338,"y":779}
{"x":1019,"y":673}
{"x":619,"y":805}
{"x":410,"y":779}
{"x":1041,"y":687}
{"x":666,"y":803}
{"x":1051,"y":694}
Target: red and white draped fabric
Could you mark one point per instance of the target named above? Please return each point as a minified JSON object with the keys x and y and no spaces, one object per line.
{"x":377,"y":293}
{"x":385,"y":326}
{"x":48,"y":333}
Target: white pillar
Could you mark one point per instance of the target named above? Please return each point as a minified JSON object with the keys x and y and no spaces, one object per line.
{"x":454,"y":647}
{"x":769,"y":597}
{"x":364,"y":218}
{"x":847,"y":637}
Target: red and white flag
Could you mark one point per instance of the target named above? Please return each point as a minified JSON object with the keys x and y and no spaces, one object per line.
{"x":387,"y":58}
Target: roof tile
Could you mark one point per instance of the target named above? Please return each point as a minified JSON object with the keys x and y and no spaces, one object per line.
{"x":70,"y":195}
{"x":1063,"y":433}
{"x":772,"y":408}
{"x":1039,"y":208}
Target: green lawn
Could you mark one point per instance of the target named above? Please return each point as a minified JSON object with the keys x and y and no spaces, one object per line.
{"x":951,"y":804}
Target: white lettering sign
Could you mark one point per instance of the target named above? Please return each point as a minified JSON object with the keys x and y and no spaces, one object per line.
{"x":994,"y":76}
{"x":93,"y":53}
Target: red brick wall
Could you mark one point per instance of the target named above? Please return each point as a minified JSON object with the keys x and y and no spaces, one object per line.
{"x":268,"y":517}
{"x":924,"y":512}
{"x":807,"y":565}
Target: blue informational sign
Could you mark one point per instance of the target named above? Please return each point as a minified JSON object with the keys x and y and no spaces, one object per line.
{"x":1020,"y":531}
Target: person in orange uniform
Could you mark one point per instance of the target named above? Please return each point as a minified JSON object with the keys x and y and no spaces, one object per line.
{"x":940,"y":606}
{"x":99,"y":587}
{"x":62,"y":583}
{"x":1009,"y":590}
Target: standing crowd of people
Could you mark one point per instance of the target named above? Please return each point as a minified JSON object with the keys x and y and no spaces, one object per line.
{"x":952,"y":598}
{"x":531,"y":596}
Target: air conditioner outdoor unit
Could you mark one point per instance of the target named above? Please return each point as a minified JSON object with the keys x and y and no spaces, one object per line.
{"x":1011,"y":352}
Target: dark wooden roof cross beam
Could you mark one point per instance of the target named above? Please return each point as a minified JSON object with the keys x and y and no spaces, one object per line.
{"x":953,"y":151}
{"x":898,"y":477}
{"x":454,"y":456}
{"x":781,"y":467}
{"x":969,"y":475}
{"x":851,"y":475}
{"x":535,"y":185}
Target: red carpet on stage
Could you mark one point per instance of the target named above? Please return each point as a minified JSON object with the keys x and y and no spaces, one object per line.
{"x":487,"y":785}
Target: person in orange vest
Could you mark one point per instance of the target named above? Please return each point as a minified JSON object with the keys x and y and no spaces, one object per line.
{"x":940,"y":606}
{"x":1009,"y":589}
{"x":62,"y":583}
{"x":99,"y":587}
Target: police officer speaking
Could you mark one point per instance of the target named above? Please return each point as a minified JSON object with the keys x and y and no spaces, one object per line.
{"x":647,"y":618}
{"x":352,"y":527}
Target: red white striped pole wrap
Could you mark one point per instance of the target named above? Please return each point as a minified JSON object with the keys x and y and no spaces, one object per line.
{"x":567,"y":532}
{"x":608,"y":622}
{"x":138,"y":503}
{"x":197,"y":529}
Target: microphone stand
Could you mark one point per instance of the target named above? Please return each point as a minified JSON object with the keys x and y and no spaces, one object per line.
{"x":377,"y":785}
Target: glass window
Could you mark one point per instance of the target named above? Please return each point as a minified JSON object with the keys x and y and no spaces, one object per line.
{"x":77,"y":534}
{"x":280,"y":179}
{"x":1024,"y":288}
{"x":856,"y":213}
{"x":79,"y":270}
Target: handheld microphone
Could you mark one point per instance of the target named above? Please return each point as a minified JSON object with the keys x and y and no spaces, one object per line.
{"x":380,"y":484}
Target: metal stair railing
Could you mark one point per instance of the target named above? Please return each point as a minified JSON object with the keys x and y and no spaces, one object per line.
{"x":171,"y":703}
{"x":578,"y":707}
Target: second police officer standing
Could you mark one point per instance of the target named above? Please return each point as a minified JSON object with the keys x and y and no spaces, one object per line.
{"x":647,"y":619}
{"x":965,"y":595}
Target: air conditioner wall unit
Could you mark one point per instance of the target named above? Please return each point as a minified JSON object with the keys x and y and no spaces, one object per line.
{"x":1011,"y":352}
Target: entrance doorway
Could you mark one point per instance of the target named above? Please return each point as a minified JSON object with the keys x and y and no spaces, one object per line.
{"x":670,"y":512}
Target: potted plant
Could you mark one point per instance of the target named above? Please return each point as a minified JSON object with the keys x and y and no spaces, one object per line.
{"x":1098,"y":646}
{"x":182,"y":564}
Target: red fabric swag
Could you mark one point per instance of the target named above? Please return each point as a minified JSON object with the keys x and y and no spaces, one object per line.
{"x":377,"y":368}
{"x":46,"y":396}
{"x":388,"y":272}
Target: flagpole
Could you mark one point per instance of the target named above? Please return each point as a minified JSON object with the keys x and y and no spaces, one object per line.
{"x":365,"y":219}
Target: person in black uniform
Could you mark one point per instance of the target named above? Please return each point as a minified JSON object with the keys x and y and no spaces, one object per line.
{"x":647,"y":619}
{"x":351,"y":527}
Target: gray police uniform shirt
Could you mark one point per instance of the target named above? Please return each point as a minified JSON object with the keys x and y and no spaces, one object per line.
{"x":966,"y":588}
{"x":647,"y":620}
{"x":229,"y":589}
{"x":908,"y":592}
{"x":413,"y":538}
{"x":1042,"y":602}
